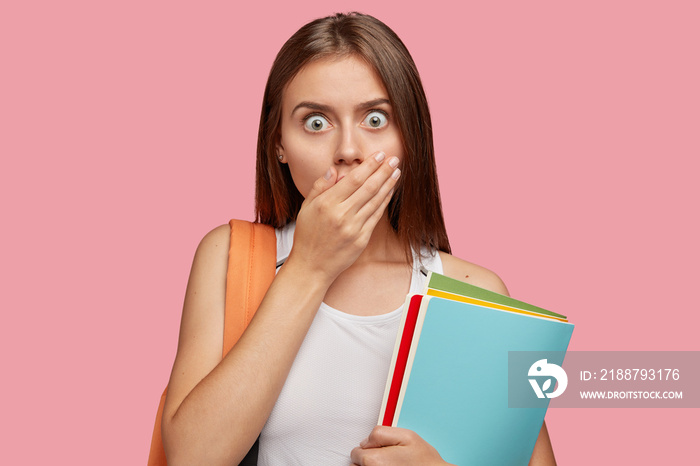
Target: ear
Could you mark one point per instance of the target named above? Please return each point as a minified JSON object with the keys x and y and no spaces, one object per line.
{"x":279,"y":151}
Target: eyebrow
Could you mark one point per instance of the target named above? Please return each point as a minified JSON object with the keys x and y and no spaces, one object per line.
{"x":325,"y":108}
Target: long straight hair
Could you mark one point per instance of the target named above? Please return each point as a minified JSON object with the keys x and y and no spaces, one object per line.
{"x":415,"y":210}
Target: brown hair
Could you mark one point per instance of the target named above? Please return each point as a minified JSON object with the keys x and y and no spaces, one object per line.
{"x":415,"y":211}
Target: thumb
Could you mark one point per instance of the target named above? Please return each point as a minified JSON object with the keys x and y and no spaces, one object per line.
{"x":323,"y":183}
{"x":382,"y":436}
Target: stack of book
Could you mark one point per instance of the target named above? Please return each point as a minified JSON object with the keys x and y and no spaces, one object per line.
{"x":448,"y":379}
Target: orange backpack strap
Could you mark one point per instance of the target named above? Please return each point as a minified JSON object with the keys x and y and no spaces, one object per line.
{"x":251,"y":268}
{"x":156,"y":456}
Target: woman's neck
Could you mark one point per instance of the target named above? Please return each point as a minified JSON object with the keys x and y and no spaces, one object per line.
{"x":381,"y":272}
{"x":383,"y":245}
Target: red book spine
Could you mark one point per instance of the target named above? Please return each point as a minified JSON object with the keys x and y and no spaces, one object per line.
{"x":401,"y":359}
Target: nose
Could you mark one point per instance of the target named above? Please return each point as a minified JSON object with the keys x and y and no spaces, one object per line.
{"x":349,"y":147}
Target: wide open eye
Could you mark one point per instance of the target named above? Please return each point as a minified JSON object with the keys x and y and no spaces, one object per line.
{"x":316,"y":123}
{"x":376,"y":119}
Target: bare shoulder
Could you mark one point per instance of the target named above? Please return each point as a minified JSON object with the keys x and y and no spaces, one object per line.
{"x":206,"y":286}
{"x":459,"y":269}
{"x":215,"y":241}
{"x":200,"y":344}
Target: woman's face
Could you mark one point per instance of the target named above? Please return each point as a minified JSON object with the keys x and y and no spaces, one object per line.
{"x":335,"y":112}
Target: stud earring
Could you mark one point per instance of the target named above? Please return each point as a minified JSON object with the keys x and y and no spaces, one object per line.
{"x":280,"y":157}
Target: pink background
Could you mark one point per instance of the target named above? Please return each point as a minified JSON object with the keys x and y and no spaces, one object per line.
{"x":567,"y":143}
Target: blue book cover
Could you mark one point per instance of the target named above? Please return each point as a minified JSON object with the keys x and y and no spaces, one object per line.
{"x":455,"y":389}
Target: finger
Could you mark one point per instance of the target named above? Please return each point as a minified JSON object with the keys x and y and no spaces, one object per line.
{"x":377,"y":204}
{"x":383,"y":436}
{"x":359,"y":175}
{"x":322,"y":184}
{"x":356,"y":456}
{"x":386,"y":175}
{"x":371,"y":222}
{"x":365,"y":456}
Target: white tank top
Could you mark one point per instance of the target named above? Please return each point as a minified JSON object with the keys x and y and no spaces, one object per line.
{"x":332,"y":396}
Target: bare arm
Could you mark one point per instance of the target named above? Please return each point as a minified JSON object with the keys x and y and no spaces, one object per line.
{"x":210,"y":399}
{"x":543,"y":455}
{"x":216,"y":408}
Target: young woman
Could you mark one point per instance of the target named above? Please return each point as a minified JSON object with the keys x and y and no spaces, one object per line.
{"x":346,"y":174}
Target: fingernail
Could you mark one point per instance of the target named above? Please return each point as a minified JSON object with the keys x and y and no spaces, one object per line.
{"x":364,"y":442}
{"x":327,"y":176}
{"x":394,"y":162}
{"x":379,"y":157}
{"x":396,"y":174}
